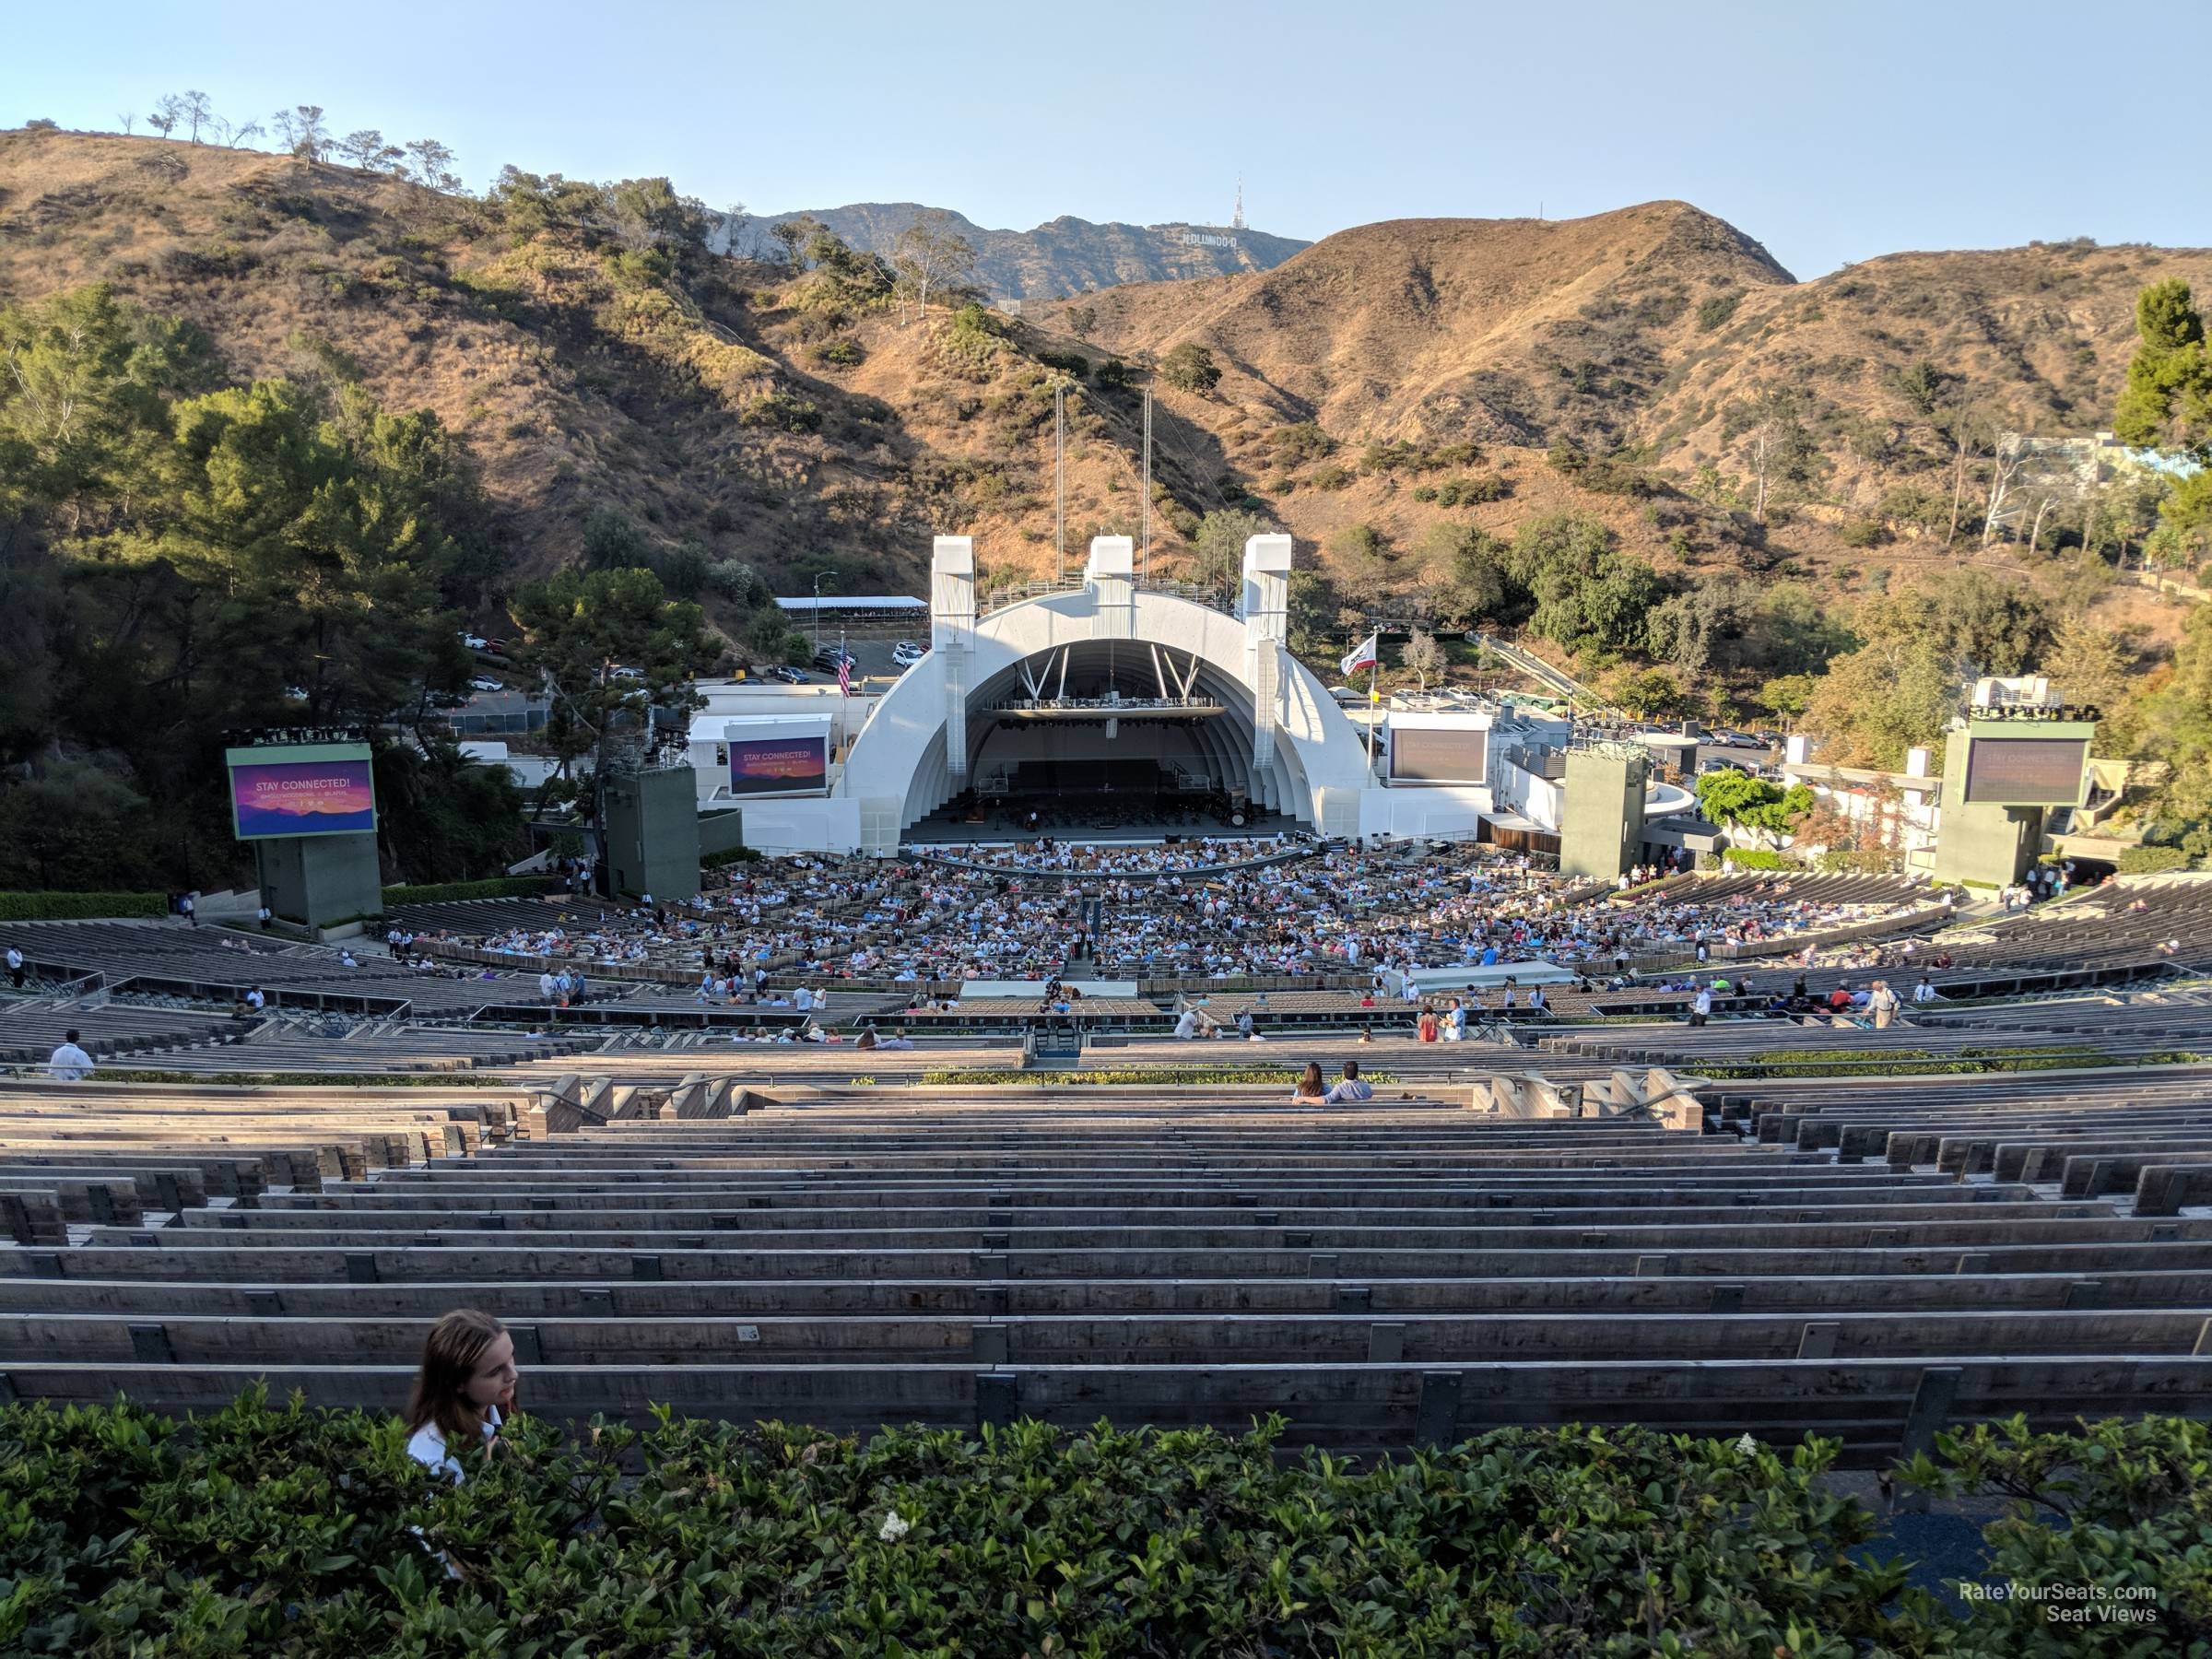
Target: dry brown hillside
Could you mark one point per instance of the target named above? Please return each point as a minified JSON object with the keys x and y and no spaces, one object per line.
{"x":805,"y":425}
{"x":1449,"y":329}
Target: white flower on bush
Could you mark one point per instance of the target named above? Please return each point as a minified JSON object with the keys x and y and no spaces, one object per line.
{"x":1747,"y":1445}
{"x":895,"y":1527}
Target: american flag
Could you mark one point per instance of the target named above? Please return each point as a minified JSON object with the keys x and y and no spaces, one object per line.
{"x":845,"y":677}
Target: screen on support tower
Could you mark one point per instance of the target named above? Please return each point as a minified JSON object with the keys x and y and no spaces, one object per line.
{"x":2025,"y":772}
{"x":301,"y":789}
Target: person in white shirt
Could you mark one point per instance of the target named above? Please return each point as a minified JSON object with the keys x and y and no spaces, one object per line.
{"x":1926,"y":991}
{"x":15,"y":968}
{"x":1700,"y":1005}
{"x":547,"y":987}
{"x":68,"y":1063}
{"x":1352,"y":1087}
{"x":1186,"y":1024}
{"x":463,"y":1391}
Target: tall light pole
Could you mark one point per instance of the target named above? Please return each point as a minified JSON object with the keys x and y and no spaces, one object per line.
{"x":818,"y":616}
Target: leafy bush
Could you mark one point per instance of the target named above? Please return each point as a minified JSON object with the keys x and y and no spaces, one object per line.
{"x":1073,"y":363}
{"x":266,"y":1529}
{"x":1716,"y":310}
{"x":782,"y":412}
{"x":1302,"y":440}
{"x":1111,"y":375}
{"x":1757,"y":858}
{"x":1426,"y":492}
{"x":1483,"y":487}
{"x":1332,"y":477}
{"x":841,"y":353}
{"x":729,"y":855}
{"x":2152,"y":861}
{"x":449,"y":892}
{"x":1161,"y":1075}
{"x":1853,"y":861}
{"x":1865,"y":533}
{"x":79,"y":907}
{"x":1191,"y":368}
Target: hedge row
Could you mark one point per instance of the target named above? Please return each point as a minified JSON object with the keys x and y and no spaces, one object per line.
{"x":451,"y":892}
{"x":2153,"y":860}
{"x":1125,"y":1075}
{"x":728,"y":855}
{"x":284,"y":1531}
{"x":1757,"y":858}
{"x":81,"y":907}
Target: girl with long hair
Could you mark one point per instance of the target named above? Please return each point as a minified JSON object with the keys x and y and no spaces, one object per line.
{"x":464,"y":1389}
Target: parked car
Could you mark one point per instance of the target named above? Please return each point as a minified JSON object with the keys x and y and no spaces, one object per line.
{"x":1739,"y":740}
{"x":829,"y":656}
{"x":483,"y":683}
{"x":620,"y":672}
{"x":497,"y":647}
{"x":906,"y":653}
{"x":790,"y":677}
{"x":1345,"y":694}
{"x":474,"y":642}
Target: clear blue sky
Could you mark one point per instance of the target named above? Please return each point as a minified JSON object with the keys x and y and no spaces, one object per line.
{"x":1830,"y":132}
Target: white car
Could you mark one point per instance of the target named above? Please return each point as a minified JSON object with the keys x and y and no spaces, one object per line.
{"x":906,"y":654}
{"x":487,"y":685}
{"x":626,"y":673}
{"x":474,"y":642}
{"x":1345,"y":694}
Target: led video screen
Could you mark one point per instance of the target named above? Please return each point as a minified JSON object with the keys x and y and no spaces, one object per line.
{"x":2025,"y":772}
{"x":302,"y":789}
{"x":779,"y":765}
{"x":1439,"y":755}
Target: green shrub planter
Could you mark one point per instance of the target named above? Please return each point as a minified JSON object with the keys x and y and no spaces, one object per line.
{"x":1126,"y":1075}
{"x":279,"y":1530}
{"x":81,"y":907}
{"x":453,"y":893}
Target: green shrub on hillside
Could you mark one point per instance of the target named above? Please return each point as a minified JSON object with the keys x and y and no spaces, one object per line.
{"x":782,"y":412}
{"x":1716,"y":310}
{"x":1191,"y":368}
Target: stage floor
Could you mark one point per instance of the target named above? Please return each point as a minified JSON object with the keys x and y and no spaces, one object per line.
{"x":939,"y":829}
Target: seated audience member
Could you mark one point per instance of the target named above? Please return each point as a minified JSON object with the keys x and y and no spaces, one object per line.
{"x":1311,"y":1087}
{"x":1352,"y":1087}
{"x":69,"y":1063}
{"x":463,"y":1391}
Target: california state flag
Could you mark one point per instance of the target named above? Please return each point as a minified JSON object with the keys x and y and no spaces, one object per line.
{"x":1363,"y":655}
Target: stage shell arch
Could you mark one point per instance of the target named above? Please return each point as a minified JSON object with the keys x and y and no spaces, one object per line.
{"x":1280,"y":740}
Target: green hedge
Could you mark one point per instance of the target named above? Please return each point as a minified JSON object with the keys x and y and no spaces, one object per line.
{"x":2152,"y":861}
{"x":729,"y":855}
{"x":1133,"y":1074}
{"x":449,"y":892}
{"x":1757,"y":858}
{"x":285,"y":1531}
{"x":81,"y":907}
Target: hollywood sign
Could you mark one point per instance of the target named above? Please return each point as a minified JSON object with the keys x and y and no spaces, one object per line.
{"x":1198,"y":238}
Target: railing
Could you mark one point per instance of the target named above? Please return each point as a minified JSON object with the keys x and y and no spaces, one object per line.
{"x":1016,"y":593}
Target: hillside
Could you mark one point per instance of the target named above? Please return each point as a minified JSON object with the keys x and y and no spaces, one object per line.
{"x":1066,"y":257}
{"x":1650,"y":330}
{"x":1379,"y":384}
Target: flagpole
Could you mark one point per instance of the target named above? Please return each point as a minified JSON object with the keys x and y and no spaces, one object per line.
{"x":1374,"y":673}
